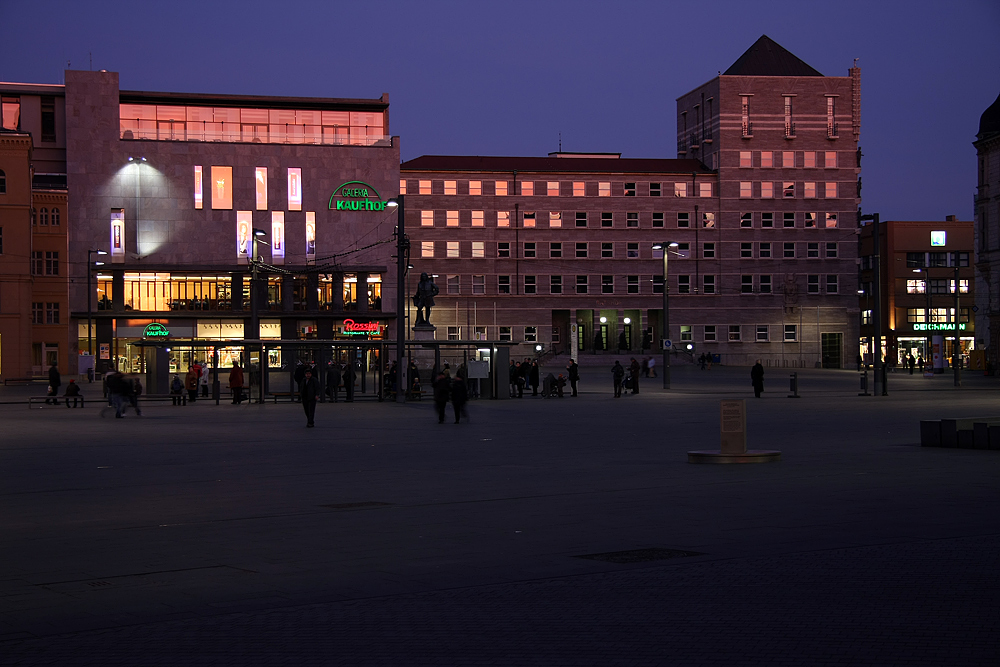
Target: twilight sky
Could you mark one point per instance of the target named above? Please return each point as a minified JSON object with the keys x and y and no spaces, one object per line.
{"x":486,"y":78}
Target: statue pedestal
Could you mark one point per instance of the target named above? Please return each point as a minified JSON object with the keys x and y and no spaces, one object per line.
{"x":424,"y":331}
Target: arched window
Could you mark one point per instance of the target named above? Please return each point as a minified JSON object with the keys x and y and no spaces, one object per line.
{"x":3,"y":182}
{"x":43,"y":217}
{"x":55,"y":217}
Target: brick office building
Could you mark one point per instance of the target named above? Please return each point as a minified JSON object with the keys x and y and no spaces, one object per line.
{"x":763,"y":201}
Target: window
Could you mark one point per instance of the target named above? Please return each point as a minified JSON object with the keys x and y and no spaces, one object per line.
{"x":789,"y":250}
{"x":654,"y":190}
{"x":581,"y":219}
{"x":454,"y":285}
{"x":631,"y":250}
{"x":528,"y":189}
{"x":764,"y":250}
{"x":477,"y":219}
{"x":475,"y":187}
{"x":746,"y":159}
{"x":555,"y":284}
{"x":581,"y":284}
{"x":704,"y":189}
{"x":607,"y":251}
{"x":452,"y":249}
{"x":501,"y":188}
{"x":1,"y":240}
{"x":452,"y":218}
{"x":791,"y":333}
{"x":809,"y":190}
{"x":937,"y":259}
{"x":3,"y":182}
{"x":708,"y":284}
{"x":683,"y":284}
{"x":451,"y":187}
{"x":424,"y":187}
{"x":529,"y":220}
{"x":503,"y":218}
{"x":529,"y":284}
{"x":686,"y":333}
{"x":831,"y":191}
{"x":939,"y":286}
{"x":831,"y":284}
{"x":789,"y":125}
{"x":831,"y":220}
{"x":708,"y":219}
{"x":830,"y":160}
{"x":52,"y":313}
{"x":478,"y":284}
{"x":709,"y":333}
{"x":961,"y":260}
{"x":630,"y":189}
{"x":632,"y":284}
{"x":683,"y":219}
{"x":658,"y":284}
{"x":831,"y":114}
{"x":51,"y":263}
{"x":963,"y":286}
{"x":831,"y":250}
{"x":579,"y":189}
{"x":680,"y":189}
{"x":746,"y":189}
{"x":607,"y":220}
{"x":607,"y":284}
{"x":478,"y":250}
{"x":746,"y":220}
{"x":10,"y":112}
{"x":746,"y":284}
{"x":767,"y":190}
{"x":745,"y":116}
{"x":427,"y":248}
{"x":767,"y":219}
{"x":505,"y":332}
{"x":454,"y":333}
{"x":37,"y":262}
{"x":809,"y":159}
{"x":810,"y":220}
{"x":657,"y":220}
{"x":788,"y":189}
{"x":427,"y":218}
{"x":37,"y":312}
{"x":604,"y":189}
{"x":812,"y":284}
{"x":708,"y":250}
{"x":764,"y":284}
{"x":746,"y":250}
{"x":503,"y":249}
{"x":581,"y":250}
{"x":55,"y":217}
{"x":762,"y":333}
{"x":788,"y":219}
{"x":555,"y":219}
{"x":812,"y":250}
{"x":48,"y":118}
{"x":914,"y":260}
{"x":530,"y":334}
{"x":766,"y":159}
{"x":788,"y":159}
{"x":529,"y":250}
{"x":43,"y":217}
{"x":915,"y":286}
{"x":503,"y":287}
{"x":734,"y":333}
{"x":555,"y":250}
{"x":631,"y":219}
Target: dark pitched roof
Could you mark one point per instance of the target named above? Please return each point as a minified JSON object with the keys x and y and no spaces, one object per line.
{"x":989,"y":122}
{"x":553,"y":164}
{"x":768,"y":58}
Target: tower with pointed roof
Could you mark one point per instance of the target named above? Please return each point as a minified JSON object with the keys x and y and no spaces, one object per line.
{"x":783,"y":139}
{"x":987,"y":226}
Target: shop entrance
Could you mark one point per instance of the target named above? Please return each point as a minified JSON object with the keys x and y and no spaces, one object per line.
{"x":832,"y":345}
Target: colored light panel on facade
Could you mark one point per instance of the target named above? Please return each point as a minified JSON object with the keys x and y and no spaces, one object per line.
{"x":260,"y":182}
{"x":244,"y":234}
{"x":222,"y":188}
{"x":939,"y":239}
{"x":310,"y":236}
{"x":199,"y":187}
{"x":278,"y":237}
{"x":117,"y":235}
{"x":294,"y":189}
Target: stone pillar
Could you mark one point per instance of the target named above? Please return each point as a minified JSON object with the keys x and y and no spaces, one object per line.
{"x":338,"y":292}
{"x":236,"y":292}
{"x":117,"y":291}
{"x":362,"y":292}
{"x":287,"y":294}
{"x":312,"y":295}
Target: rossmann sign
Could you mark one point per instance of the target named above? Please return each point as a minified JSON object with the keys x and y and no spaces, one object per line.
{"x":356,"y":196}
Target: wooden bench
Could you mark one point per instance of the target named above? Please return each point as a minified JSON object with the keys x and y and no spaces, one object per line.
{"x":290,"y":395}
{"x":59,"y":400}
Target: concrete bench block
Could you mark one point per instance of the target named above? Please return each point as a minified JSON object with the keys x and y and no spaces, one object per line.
{"x":930,"y":433}
{"x":966,"y":439}
{"x":994,"y":442}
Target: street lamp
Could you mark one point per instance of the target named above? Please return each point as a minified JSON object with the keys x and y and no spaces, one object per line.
{"x":90,"y":293}
{"x":927,"y":314}
{"x":402,"y":264}
{"x":880,"y":388}
{"x":666,"y":248}
{"x":258,"y":234}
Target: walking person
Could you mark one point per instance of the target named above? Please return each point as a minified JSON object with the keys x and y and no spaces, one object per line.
{"x":459,"y":397}
{"x":757,"y":378}
{"x":191,"y":383}
{"x":533,"y":376}
{"x":134,"y":396}
{"x":618,"y":374}
{"x":308,"y":394}
{"x":442,"y":391}
{"x":333,"y":381}
{"x":652,"y":367}
{"x":574,"y":374}
{"x":176,"y":390}
{"x":236,"y":383}
{"x":910,"y":361}
{"x":634,"y":367}
{"x":117,"y":392}
{"x":54,"y":382}
{"x":203,"y":380}
{"x":512,"y":376}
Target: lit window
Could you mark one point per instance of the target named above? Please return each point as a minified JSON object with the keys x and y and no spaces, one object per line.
{"x":630,"y":189}
{"x":477,"y":218}
{"x":475,"y":187}
{"x":631,"y":250}
{"x":604,"y":189}
{"x":767,"y":219}
{"x":478,"y":250}
{"x":791,"y":333}
{"x":402,"y":186}
{"x":683,"y":219}
{"x":529,"y":284}
{"x":528,"y":188}
{"x":680,"y":189}
{"x":294,"y":188}
{"x":631,"y":219}
{"x":831,"y":220}
{"x":503,"y":218}
{"x":764,"y":284}
{"x":788,"y":189}
{"x":607,"y":284}
{"x":657,"y":219}
{"x":809,"y":190}
{"x":529,"y":220}
{"x":654,"y":190}
{"x":709,"y":333}
{"x":454,"y":287}
{"x":830,"y":161}
{"x":809,"y":159}
{"x":451,"y":219}
{"x":810,"y":219}
{"x":503,"y":249}
{"x":452,"y":249}
{"x":555,"y":250}
{"x":579,"y":189}
{"x":451,"y":187}
{"x":501,"y":188}
{"x":555,"y":219}
{"x":767,"y":190}
{"x":427,"y":218}
{"x":762,"y":333}
{"x":734,"y":333}
{"x":704,"y":189}
{"x":425,"y":187}
{"x":831,"y":114}
{"x":766,"y":159}
{"x":222,"y":188}
{"x":764,"y":250}
{"x":686,"y":332}
{"x":831,"y":191}
{"x":555,"y":284}
{"x":963,"y":286}
{"x":788,"y":159}
{"x":581,"y":219}
{"x":746,"y":159}
{"x":529,"y":250}
{"x":746,"y":219}
{"x":199,"y":187}
{"x":260,"y":183}
{"x":746,"y":189}
{"x":552,"y":188}
{"x":708,"y":219}
{"x":915,"y":286}
{"x":607,"y":251}
{"x":581,"y":250}
{"x":607,"y":220}
{"x":531,"y":334}
{"x":427,"y":248}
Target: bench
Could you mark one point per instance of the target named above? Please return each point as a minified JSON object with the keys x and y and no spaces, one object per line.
{"x":961,"y":433}
{"x":290,"y":395}
{"x":165,"y":397}
{"x":59,"y":400}
{"x":10,"y":381}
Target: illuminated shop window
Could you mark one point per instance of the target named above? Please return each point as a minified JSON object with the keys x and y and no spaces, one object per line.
{"x":294,"y":189}
{"x":222,"y":188}
{"x":260,"y":185}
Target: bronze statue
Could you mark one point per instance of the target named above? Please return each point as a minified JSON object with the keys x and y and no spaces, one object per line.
{"x":424,"y":299}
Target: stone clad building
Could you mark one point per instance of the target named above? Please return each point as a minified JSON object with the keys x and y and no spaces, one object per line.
{"x":987,"y":230}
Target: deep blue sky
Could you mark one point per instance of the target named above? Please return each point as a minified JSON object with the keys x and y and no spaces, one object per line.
{"x":505,"y":78}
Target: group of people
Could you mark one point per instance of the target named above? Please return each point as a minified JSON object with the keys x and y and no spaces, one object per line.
{"x":626,"y":378}
{"x":52,"y":393}
{"x":123,"y":393}
{"x":521,"y":375}
{"x":453,"y":389}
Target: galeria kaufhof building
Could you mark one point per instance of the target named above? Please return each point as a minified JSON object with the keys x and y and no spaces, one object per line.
{"x":183,"y":191}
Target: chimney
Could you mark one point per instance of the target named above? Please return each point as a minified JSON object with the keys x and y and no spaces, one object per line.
{"x":949,"y":218}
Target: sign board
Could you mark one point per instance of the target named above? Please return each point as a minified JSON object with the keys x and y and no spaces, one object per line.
{"x":479,"y":369}
{"x":352,"y":328}
{"x":733,"y":426}
{"x":939,"y":239}
{"x":938,"y":326}
{"x":356,"y":196}
{"x":105,"y":350}
{"x":155,"y":330}
{"x":667,"y":344}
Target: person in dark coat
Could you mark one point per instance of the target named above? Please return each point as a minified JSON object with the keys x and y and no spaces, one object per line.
{"x":459,"y":397}
{"x":236,"y":383}
{"x":413,"y":377}
{"x":757,"y":378}
{"x":533,"y":377}
{"x":308,"y":395}
{"x":333,"y":381}
{"x":73,"y":391}
{"x":574,"y":374}
{"x":617,"y":374}
{"x":442,"y":392}
{"x":54,"y":382}
{"x":635,"y":368}
{"x":512,"y":378}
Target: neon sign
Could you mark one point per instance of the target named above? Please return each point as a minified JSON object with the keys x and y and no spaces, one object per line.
{"x":155,"y":330}
{"x":356,"y":196}
{"x":352,"y":328}
{"x":936,"y":326}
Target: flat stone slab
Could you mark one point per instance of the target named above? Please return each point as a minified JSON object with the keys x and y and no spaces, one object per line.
{"x":750,"y":456}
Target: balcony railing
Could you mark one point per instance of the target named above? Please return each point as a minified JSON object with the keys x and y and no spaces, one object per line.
{"x":137,"y":129}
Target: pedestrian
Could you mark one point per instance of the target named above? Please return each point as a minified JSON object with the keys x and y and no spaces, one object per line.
{"x":574,"y":374}
{"x":920,"y":363}
{"x":73,"y":391}
{"x":522,"y":373}
{"x":117,"y":391}
{"x":54,"y":382}
{"x":533,"y":377}
{"x":757,"y":378}
{"x":634,"y":367}
{"x":414,"y":379}
{"x":442,"y":391}
{"x":333,"y":381}
{"x":910,"y":361}
{"x":645,"y":367}
{"x":203,"y":380}
{"x":617,"y":374}
{"x":459,"y":397}
{"x":191,"y":383}
{"x":134,"y":396}
{"x":701,"y":361}
{"x":176,"y":390}
{"x":236,"y":383}
{"x":308,"y":393}
{"x":549,"y":386}
{"x":560,"y":385}
{"x":651,"y":363}
{"x":512,"y":376}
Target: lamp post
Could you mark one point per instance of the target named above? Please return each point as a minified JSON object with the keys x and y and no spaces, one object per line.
{"x":666,"y":248}
{"x":90,"y":294}
{"x":956,"y":349}
{"x":927,"y":313}
{"x":880,"y":389}
{"x":402,"y":263}
{"x":254,"y":316}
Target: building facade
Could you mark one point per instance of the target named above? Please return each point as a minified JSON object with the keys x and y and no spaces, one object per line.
{"x":987,"y":231}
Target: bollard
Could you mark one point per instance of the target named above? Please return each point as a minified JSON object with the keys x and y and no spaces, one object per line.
{"x":864,"y":384}
{"x":793,"y":385}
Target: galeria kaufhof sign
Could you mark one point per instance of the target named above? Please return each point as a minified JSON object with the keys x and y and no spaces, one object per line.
{"x":356,"y":196}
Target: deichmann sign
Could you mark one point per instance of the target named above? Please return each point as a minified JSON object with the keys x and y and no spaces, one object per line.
{"x":155,"y":330}
{"x":935,"y":326}
{"x":352,"y":328}
{"x":356,"y":196}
